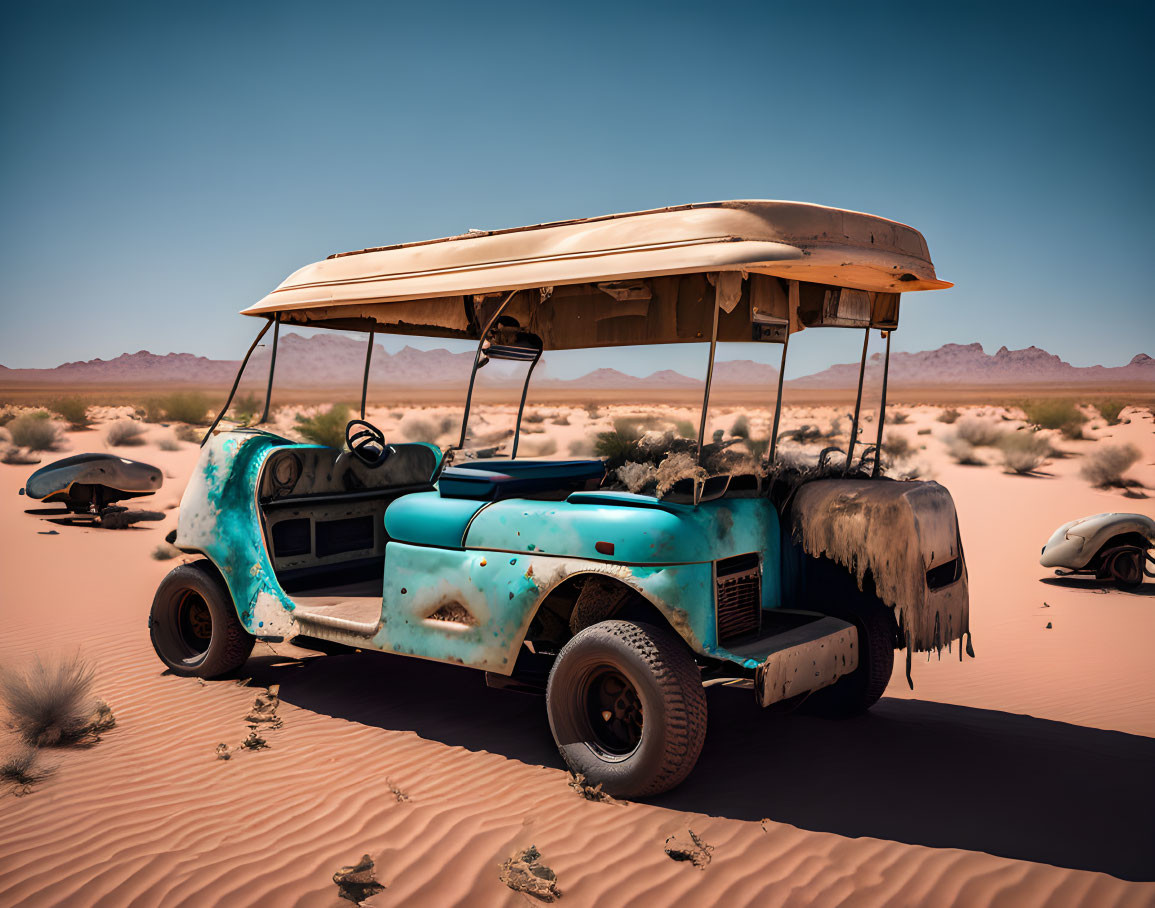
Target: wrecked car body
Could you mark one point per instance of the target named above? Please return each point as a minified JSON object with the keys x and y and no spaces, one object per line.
{"x":545,"y":574}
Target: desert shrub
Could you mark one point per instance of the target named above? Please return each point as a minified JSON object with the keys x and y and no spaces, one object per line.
{"x":35,"y":431}
{"x":325,"y":427}
{"x":593,"y":412}
{"x":1110,"y":410}
{"x":620,"y":444}
{"x":896,"y":446}
{"x":898,"y":417}
{"x":188,"y":407}
{"x":73,"y":410}
{"x":22,"y":770}
{"x":962,"y":451}
{"x":562,"y":420}
{"x":244,"y":408}
{"x":581,"y":447}
{"x":948,"y":416}
{"x":6,"y":416}
{"x":533,"y":416}
{"x":685,"y":428}
{"x":189,"y":433}
{"x":757,"y":447}
{"x":540,"y":447}
{"x":1105,"y":467}
{"x":532,"y":430}
{"x":978,"y":432}
{"x":1024,"y":452}
{"x":52,"y":706}
{"x":741,"y":427}
{"x":125,"y":433}
{"x":1053,"y":413}
{"x":420,"y":430}
{"x":169,"y":443}
{"x":835,"y":428}
{"x":803,"y":434}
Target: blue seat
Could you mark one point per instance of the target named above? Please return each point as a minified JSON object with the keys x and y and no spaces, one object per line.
{"x":491,"y":480}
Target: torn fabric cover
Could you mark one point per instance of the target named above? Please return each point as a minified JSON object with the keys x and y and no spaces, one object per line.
{"x":905,"y":535}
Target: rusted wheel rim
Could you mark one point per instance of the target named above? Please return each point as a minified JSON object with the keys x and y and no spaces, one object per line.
{"x":613,"y":711}
{"x":194,"y":623}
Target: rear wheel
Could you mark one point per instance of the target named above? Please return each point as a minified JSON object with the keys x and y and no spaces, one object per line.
{"x":193,"y":625}
{"x":861,"y":689}
{"x":627,"y":708}
{"x":1124,"y":566}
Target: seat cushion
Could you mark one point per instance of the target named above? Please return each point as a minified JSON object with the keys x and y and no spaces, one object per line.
{"x":491,"y":480}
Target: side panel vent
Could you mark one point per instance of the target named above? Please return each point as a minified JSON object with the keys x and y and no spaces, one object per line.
{"x":739,"y":597}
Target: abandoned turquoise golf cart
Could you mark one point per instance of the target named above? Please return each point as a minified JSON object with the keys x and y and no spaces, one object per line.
{"x":797,"y":582}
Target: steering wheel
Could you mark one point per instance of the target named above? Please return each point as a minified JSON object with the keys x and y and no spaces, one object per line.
{"x":367,"y":443}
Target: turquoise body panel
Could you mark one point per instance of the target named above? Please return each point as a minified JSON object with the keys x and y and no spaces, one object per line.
{"x":425,"y":518}
{"x":516,"y":552}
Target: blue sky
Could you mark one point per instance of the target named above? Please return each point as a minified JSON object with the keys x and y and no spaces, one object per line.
{"x":163,"y":166}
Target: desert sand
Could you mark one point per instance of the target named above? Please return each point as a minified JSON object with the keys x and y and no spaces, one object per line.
{"x":1021,"y":777}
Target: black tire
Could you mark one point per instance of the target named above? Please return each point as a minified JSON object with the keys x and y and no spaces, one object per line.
{"x":1124,"y":566}
{"x":193,"y":625}
{"x":649,"y":679}
{"x":861,"y":689}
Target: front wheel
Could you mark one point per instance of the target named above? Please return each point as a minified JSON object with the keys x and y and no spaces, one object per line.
{"x":627,"y":708}
{"x":194,"y":627}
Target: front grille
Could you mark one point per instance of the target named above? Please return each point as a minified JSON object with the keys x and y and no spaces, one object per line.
{"x":739,"y":596}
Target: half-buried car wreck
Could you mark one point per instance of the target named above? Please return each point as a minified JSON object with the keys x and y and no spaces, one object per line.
{"x":797,"y":582}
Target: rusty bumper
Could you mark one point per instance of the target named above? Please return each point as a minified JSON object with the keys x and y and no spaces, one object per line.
{"x":805,"y":659}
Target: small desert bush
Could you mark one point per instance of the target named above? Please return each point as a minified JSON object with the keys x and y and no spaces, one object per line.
{"x":35,"y":431}
{"x":898,"y":417}
{"x":125,"y":433}
{"x":533,"y":416}
{"x":962,"y":451}
{"x":428,"y":430}
{"x":245,"y":408}
{"x":52,"y":705}
{"x":1053,"y":413}
{"x":562,"y":420}
{"x":186,"y":406}
{"x":620,"y":444}
{"x":896,"y":447}
{"x":189,"y":433}
{"x":169,"y":443}
{"x":593,"y":412}
{"x":73,"y":410}
{"x":949,"y":416}
{"x":6,"y":416}
{"x":580,"y":447}
{"x":22,"y":770}
{"x":978,"y":432}
{"x":541,"y":447}
{"x":685,"y":428}
{"x":325,"y":427}
{"x":1110,"y":410}
{"x":1105,"y":467}
{"x":1024,"y":452}
{"x":741,"y":427}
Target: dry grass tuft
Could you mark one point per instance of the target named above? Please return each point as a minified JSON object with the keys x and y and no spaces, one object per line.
{"x":1024,"y":452}
{"x":73,"y":410}
{"x":979,"y":432}
{"x":1062,"y":415}
{"x":896,"y":446}
{"x":35,"y":431}
{"x":325,"y":427}
{"x":51,"y":705}
{"x":962,"y":451}
{"x":1110,"y":410}
{"x":22,"y":771}
{"x":125,"y":433}
{"x":949,"y":416}
{"x":1104,"y":468}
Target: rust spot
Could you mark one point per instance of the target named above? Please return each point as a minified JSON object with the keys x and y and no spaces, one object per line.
{"x":605,"y":548}
{"x":453,"y":611}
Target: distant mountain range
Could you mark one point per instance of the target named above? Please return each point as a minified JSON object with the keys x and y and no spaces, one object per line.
{"x":337,"y":360}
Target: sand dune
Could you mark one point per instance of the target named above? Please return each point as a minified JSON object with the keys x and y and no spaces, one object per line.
{"x":1020,"y":778}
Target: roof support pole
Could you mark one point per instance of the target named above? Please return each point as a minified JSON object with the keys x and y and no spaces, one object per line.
{"x":709,"y":379}
{"x":521,"y":406}
{"x":778,"y":401}
{"x":236,"y":381}
{"x":881,"y":410}
{"x":857,"y":402}
{"x":365,"y":378}
{"x":272,"y":367}
{"x":476,"y":362}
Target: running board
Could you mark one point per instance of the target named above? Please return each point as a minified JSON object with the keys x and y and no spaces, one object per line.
{"x":331,"y":622}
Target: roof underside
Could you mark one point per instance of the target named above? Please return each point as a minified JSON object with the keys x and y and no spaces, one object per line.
{"x":619,"y":267}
